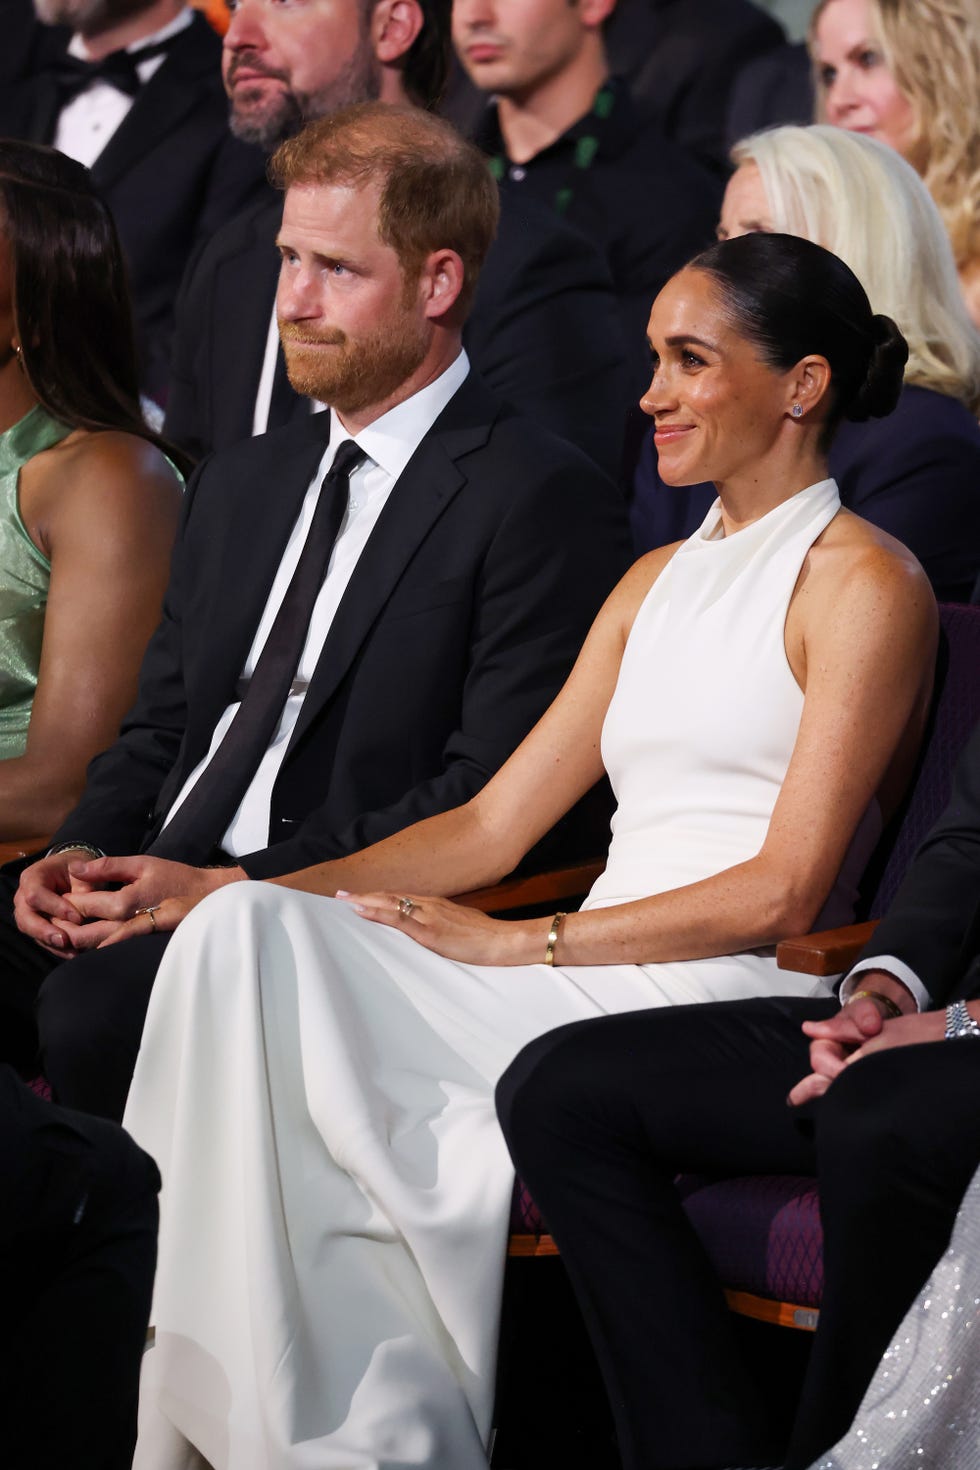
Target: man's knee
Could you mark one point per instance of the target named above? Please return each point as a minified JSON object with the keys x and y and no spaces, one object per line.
{"x":90,"y":1017}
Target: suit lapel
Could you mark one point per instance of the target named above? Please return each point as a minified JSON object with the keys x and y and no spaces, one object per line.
{"x":42,"y":113}
{"x":241,"y":309}
{"x":429,"y":482}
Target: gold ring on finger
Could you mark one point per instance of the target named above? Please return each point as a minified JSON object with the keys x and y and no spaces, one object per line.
{"x":150,"y":912}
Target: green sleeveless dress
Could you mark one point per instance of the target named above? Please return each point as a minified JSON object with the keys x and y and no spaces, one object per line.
{"x":24,"y":576}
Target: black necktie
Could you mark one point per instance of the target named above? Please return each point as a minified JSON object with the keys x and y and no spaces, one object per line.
{"x":202,"y":819}
{"x":119,"y":69}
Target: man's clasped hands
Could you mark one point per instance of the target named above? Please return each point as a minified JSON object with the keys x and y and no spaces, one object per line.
{"x":69,"y":902}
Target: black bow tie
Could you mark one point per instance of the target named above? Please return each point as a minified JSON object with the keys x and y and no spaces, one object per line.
{"x":119,"y":69}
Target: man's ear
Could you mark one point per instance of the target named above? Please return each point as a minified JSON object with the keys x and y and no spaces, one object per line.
{"x":595,"y":12}
{"x":441,"y":282}
{"x":395,"y":25}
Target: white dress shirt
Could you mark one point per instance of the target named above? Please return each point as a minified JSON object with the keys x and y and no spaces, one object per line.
{"x":90,"y":119}
{"x":897,"y":968}
{"x":389,"y":444}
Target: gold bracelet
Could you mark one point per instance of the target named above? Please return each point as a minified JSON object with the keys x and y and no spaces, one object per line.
{"x":549,"y":954}
{"x":894,"y":1011}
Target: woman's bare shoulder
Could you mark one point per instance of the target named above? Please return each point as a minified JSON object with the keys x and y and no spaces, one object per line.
{"x":116,"y":480}
{"x":857,"y":575}
{"x":108,"y":461}
{"x":852,"y":550}
{"x":628,"y":595}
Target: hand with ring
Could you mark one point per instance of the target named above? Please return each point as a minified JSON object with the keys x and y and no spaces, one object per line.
{"x":150,"y":912}
{"x":453,"y":930}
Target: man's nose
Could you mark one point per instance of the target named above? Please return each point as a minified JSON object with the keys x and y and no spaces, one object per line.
{"x":245,"y":28}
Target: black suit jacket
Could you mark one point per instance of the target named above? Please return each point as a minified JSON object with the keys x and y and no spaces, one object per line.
{"x":171,"y":173}
{"x":544,"y":332}
{"x":463,"y":617}
{"x":933,"y":923}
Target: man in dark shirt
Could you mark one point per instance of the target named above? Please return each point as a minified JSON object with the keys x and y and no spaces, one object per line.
{"x":563,"y":131}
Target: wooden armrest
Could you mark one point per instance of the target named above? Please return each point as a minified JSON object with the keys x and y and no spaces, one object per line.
{"x":519,"y":893}
{"x":829,"y":952}
{"x":19,"y":847}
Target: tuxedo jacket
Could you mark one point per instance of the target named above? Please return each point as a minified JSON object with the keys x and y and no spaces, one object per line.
{"x":171,"y":174}
{"x":463,"y":616}
{"x":933,"y":923}
{"x":544,"y":332}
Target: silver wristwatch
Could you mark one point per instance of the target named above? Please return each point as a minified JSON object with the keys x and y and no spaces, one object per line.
{"x":959,"y":1022}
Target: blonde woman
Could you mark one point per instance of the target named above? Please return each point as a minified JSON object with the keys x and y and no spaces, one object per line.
{"x":908,"y":72}
{"x":916,"y":474}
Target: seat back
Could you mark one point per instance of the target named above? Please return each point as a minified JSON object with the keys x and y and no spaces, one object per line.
{"x":955,"y":712}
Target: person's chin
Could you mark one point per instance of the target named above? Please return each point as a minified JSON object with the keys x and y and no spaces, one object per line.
{"x":677,"y":468}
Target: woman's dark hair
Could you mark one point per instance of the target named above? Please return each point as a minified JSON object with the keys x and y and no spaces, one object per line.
{"x":70,"y":295}
{"x":792,"y":298}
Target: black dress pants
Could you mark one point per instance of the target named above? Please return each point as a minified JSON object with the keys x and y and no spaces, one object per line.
{"x":601,"y":1115}
{"x":79,"y":1020}
{"x":78,"y":1227}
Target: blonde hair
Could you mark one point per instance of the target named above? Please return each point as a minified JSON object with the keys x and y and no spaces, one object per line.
{"x":859,"y":199}
{"x":932,"y":49}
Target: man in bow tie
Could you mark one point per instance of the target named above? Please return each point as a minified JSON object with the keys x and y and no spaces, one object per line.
{"x":131,"y":89}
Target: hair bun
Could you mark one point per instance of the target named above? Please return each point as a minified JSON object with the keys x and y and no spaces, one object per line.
{"x":877,"y":395}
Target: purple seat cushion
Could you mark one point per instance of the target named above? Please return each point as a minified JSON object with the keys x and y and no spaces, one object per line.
{"x":762,"y":1233}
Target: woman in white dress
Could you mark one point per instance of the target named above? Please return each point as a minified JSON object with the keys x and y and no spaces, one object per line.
{"x":316,"y":1077}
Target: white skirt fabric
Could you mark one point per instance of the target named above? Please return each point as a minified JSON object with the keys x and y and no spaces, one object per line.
{"x":318,"y":1093}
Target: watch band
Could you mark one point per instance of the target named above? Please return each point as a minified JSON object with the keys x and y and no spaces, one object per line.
{"x":90,"y":848}
{"x":959,"y":1022}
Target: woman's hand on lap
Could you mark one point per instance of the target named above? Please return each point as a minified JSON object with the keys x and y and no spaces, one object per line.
{"x":450,"y":929}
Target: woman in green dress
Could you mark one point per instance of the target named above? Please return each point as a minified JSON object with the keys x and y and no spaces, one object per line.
{"x":88,"y":498}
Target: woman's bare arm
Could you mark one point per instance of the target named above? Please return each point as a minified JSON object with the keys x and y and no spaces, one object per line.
{"x":868,"y":623}
{"x":103,"y":507}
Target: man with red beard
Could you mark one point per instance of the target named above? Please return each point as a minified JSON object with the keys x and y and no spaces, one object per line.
{"x":368,"y":610}
{"x":544,"y":329}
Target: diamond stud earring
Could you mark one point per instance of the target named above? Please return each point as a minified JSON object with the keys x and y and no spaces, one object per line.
{"x":797,"y":410}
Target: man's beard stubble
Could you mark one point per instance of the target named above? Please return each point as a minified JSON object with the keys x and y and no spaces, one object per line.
{"x":354,"y":374}
{"x":266,"y":121}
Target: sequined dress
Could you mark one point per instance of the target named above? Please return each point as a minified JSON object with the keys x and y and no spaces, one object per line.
{"x":922,"y":1408}
{"x":24,"y":576}
{"x":318,"y":1091}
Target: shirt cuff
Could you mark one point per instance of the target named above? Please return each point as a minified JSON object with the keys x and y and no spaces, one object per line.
{"x":894,"y":967}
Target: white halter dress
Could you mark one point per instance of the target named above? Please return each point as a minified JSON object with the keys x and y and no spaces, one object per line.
{"x":318,"y":1091}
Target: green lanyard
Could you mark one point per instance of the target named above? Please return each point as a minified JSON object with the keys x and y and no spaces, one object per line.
{"x":586,"y":148}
